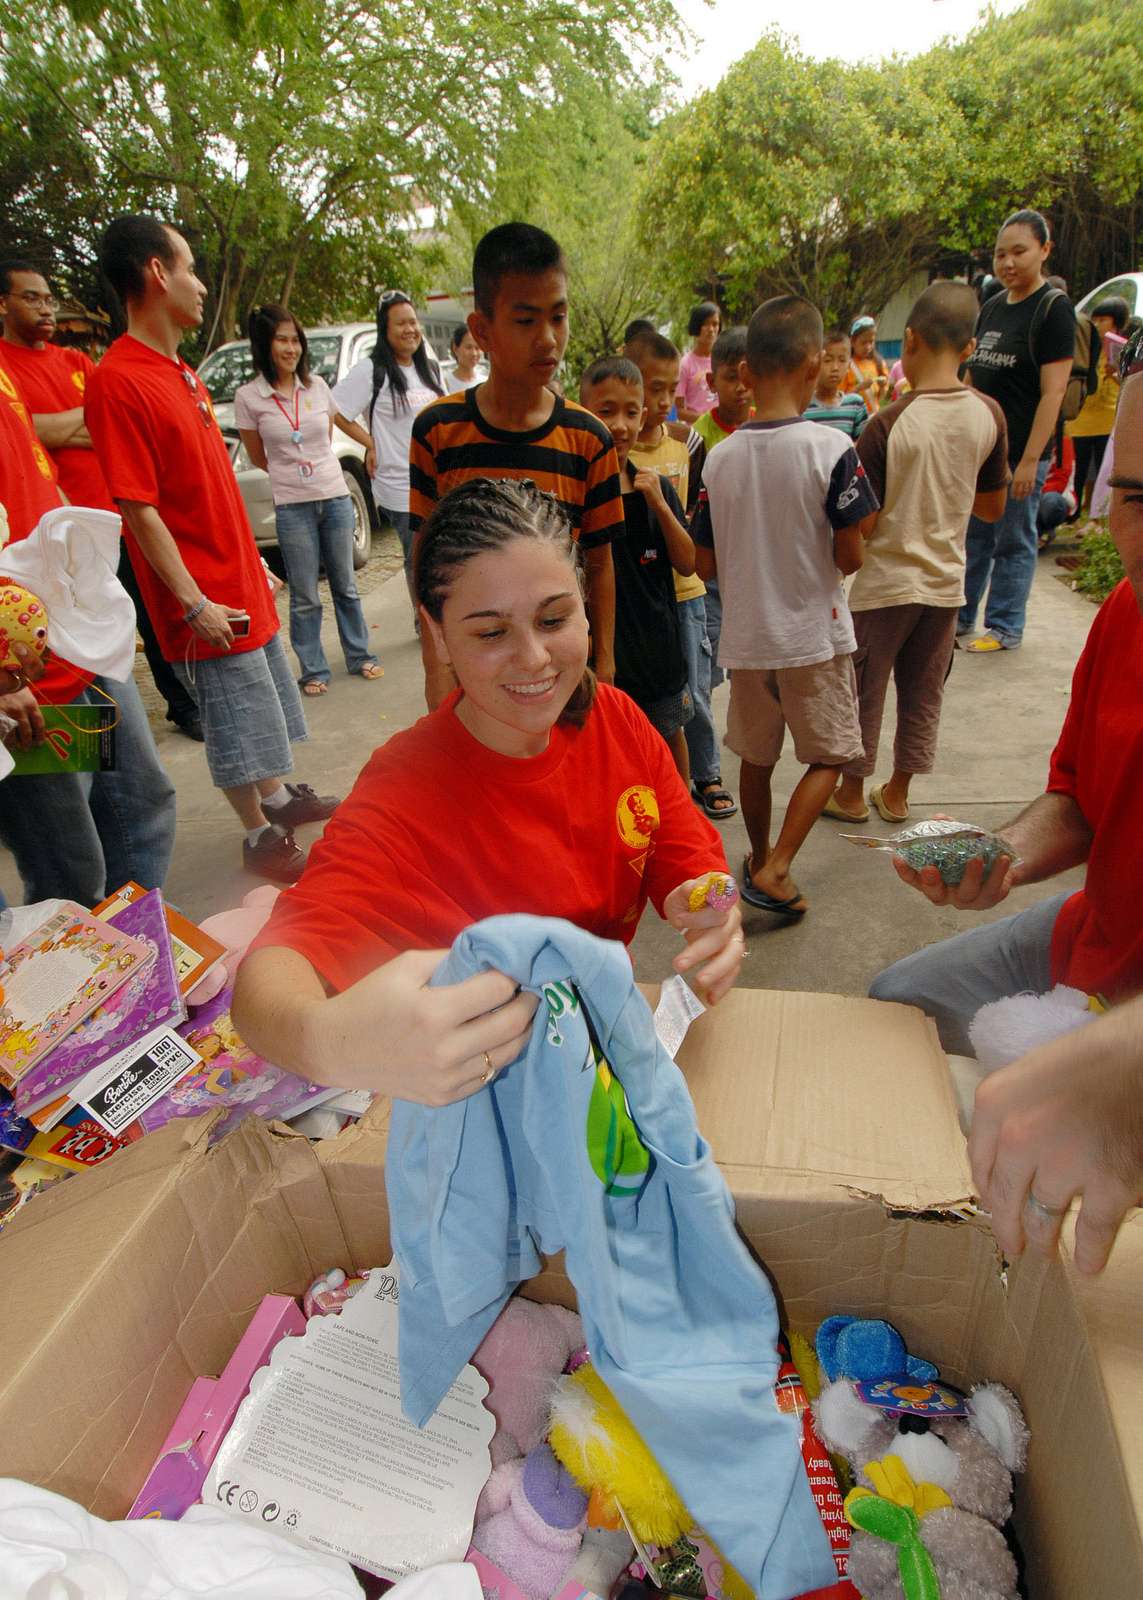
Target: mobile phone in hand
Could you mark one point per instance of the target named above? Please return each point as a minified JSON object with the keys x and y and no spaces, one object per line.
{"x":239,"y":623}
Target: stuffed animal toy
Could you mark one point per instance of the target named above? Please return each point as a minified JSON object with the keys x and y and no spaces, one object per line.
{"x":522,"y":1356}
{"x":531,"y":1522}
{"x":944,"y":1461}
{"x":594,"y":1439}
{"x":1004,"y":1030}
{"x":858,"y":1348}
{"x":236,"y":929}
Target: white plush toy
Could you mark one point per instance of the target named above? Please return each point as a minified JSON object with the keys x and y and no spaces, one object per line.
{"x":1005,"y":1030}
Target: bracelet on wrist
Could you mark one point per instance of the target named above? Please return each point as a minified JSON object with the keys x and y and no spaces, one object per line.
{"x":197,"y":609}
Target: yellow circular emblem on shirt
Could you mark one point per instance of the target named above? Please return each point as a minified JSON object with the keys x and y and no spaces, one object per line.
{"x":637,"y":816}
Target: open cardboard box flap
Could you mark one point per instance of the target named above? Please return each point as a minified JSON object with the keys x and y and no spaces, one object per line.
{"x":816,"y":1092}
{"x":834,"y":1123}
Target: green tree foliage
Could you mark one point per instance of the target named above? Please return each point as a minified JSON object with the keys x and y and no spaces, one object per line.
{"x":839,"y":182}
{"x":290,"y":141}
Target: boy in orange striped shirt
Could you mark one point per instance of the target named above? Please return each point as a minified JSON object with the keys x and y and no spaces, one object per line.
{"x":514,"y":426}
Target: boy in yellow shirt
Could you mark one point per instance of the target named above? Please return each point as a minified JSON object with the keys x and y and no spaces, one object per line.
{"x":1091,"y":429}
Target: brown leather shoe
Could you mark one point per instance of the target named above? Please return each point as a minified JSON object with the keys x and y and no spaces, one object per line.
{"x":303,"y":806}
{"x":275,"y":857}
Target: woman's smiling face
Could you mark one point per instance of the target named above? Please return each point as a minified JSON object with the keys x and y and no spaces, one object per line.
{"x":514,"y":629}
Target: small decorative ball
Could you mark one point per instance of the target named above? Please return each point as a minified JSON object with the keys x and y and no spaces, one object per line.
{"x":23,"y":620}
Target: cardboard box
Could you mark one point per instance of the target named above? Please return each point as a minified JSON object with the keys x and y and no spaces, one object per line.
{"x":834,"y":1122}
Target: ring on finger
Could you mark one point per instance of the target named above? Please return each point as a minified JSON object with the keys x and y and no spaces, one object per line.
{"x":489,"y":1070}
{"x":1049,"y":1214}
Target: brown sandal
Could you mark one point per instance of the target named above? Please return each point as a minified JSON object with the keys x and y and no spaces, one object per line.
{"x":313,"y":687}
{"x":371,"y":670}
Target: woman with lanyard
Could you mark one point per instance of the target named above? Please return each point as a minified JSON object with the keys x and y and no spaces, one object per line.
{"x":285,"y":418}
{"x":1025,"y":340}
{"x":529,"y":789}
{"x":388,"y":388}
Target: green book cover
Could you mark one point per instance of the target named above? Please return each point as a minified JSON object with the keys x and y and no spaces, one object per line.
{"x":78,"y":738}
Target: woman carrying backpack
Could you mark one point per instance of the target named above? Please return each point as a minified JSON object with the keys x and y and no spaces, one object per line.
{"x":387,"y":389}
{"x":1025,"y":343}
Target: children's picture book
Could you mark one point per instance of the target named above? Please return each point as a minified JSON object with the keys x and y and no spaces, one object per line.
{"x":194,"y":950}
{"x":151,"y":998}
{"x":230,"y":1075}
{"x":77,"y":1142}
{"x":55,"y":978}
{"x":122,"y":1089}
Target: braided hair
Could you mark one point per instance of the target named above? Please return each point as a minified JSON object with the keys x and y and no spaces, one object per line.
{"x":483,"y":515}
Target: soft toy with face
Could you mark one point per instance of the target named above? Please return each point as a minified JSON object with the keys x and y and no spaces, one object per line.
{"x":954,"y":1474}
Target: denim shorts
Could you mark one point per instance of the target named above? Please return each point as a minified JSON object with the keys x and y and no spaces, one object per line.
{"x":671,"y":713}
{"x":250,"y":711}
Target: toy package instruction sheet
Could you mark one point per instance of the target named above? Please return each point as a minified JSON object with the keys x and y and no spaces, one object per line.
{"x":321,"y":1451}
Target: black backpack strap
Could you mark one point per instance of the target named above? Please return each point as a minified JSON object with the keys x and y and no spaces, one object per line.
{"x":1039,"y":317}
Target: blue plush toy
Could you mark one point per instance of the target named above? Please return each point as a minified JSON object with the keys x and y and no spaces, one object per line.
{"x":865,"y":1350}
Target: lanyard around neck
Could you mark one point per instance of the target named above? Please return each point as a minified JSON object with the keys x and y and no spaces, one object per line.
{"x":295,"y":425}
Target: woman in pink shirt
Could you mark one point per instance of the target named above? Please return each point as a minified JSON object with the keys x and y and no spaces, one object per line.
{"x":694,"y":394}
{"x":285,"y":417}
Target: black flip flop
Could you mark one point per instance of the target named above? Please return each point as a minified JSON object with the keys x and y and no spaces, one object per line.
{"x":767,"y":902}
{"x":706,"y":801}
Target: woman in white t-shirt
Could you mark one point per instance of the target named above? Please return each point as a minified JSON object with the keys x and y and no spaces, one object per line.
{"x":387,"y":389}
{"x":285,"y":417}
{"x":466,"y":354}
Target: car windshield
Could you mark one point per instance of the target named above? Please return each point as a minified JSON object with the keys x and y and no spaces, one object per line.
{"x":228,"y":368}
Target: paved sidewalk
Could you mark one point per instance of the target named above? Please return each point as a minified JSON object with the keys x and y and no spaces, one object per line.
{"x":1002,"y":714}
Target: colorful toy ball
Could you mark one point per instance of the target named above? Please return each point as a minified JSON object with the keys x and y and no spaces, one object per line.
{"x":23,"y":620}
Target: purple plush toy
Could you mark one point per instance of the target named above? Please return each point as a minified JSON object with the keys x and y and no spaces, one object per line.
{"x":535,"y":1526}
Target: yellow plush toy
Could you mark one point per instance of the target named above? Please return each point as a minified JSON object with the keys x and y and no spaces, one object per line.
{"x":592,"y":1437}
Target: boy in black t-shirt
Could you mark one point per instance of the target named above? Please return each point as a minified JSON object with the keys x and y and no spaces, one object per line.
{"x":649,"y":661}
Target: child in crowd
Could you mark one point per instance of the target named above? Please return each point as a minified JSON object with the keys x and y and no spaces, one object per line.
{"x":1058,"y":500}
{"x":658,"y":360}
{"x":1091,"y":429}
{"x":650,"y":665}
{"x":830,"y":404}
{"x":933,"y":458}
{"x":729,"y":386}
{"x":868,"y":375}
{"x":513,"y":426}
{"x":784,"y":505}
{"x":659,"y":449}
{"x":734,"y":398}
{"x":693,"y":396}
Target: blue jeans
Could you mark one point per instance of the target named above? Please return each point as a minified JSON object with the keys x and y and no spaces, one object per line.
{"x":313,"y":533}
{"x":80,"y":835}
{"x":702,"y":742}
{"x":1006,"y":550}
{"x":399,"y":521}
{"x":1053,"y":510}
{"x":713,"y":605}
{"x":950,"y":981}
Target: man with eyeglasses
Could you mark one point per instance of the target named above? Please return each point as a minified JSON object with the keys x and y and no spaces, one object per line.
{"x":203,"y":581}
{"x":53,"y":380}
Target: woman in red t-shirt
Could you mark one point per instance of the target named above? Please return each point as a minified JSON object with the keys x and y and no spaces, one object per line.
{"x":530,"y":789}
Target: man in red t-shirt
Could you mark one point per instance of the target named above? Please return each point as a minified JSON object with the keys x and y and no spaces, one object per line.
{"x":52,"y":380}
{"x":1092,"y":812}
{"x":74,"y":836}
{"x":202,"y":579}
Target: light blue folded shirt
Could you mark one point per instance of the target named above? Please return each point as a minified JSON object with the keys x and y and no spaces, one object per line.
{"x":679,"y":1319}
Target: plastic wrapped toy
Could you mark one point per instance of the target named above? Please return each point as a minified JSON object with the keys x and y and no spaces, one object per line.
{"x":942,"y":843}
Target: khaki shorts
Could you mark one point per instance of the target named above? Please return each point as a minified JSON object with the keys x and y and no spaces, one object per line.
{"x":818,"y":704}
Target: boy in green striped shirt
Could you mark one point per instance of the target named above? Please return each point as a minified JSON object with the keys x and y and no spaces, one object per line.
{"x":844,"y":411}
